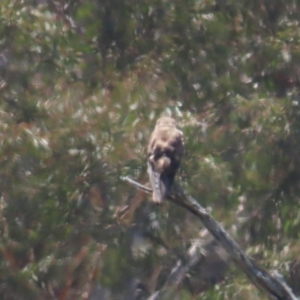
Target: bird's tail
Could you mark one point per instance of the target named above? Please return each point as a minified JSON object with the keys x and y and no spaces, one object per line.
{"x":160,"y":185}
{"x":158,"y":189}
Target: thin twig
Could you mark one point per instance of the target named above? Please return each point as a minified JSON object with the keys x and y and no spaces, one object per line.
{"x":137,"y":185}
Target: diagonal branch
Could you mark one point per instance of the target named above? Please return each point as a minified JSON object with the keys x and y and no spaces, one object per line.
{"x":272,"y":284}
{"x":175,"y":277}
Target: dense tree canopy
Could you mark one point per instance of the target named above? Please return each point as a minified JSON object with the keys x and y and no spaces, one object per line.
{"x":81,"y":85}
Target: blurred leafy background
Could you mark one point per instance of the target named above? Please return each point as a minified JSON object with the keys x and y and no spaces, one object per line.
{"x":81,"y":85}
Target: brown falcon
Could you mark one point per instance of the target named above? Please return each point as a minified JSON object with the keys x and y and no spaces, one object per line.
{"x":165,"y":150}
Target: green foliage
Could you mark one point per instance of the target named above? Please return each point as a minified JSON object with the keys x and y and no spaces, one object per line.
{"x":81,"y":85}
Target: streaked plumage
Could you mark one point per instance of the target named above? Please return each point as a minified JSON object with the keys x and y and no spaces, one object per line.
{"x":165,"y":150}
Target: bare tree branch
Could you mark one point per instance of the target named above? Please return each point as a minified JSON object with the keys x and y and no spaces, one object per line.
{"x":178,"y":272}
{"x":272,"y":284}
{"x":137,"y":185}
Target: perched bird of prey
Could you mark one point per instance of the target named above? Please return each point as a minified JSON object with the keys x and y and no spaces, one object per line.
{"x":165,"y":150}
